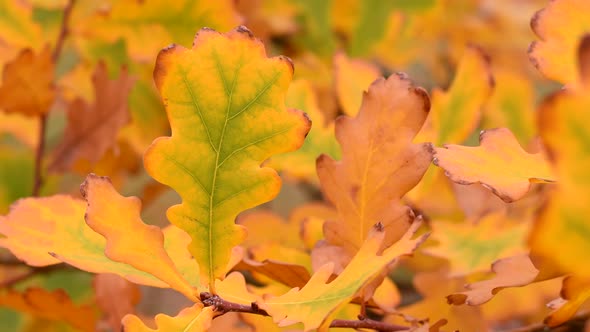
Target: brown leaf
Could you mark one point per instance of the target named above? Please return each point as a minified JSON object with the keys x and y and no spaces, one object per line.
{"x":27,"y":83}
{"x":116,"y":297}
{"x":93,"y":128}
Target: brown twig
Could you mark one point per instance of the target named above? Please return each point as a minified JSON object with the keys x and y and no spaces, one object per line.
{"x":63,"y":32}
{"x":222,"y":306}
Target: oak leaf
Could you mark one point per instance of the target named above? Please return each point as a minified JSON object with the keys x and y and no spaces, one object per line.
{"x":28,"y":83}
{"x":93,"y":128}
{"x":34,"y":235}
{"x":51,"y":305}
{"x":559,"y":26}
{"x":499,"y":163}
{"x":514,"y":271}
{"x":317,"y":300}
{"x":115,"y":217}
{"x":379,"y":164}
{"x":216,"y":95}
{"x":192,"y":319}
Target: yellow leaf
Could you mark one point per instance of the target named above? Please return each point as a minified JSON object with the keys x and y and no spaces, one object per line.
{"x":224,"y":99}
{"x":116,"y":217}
{"x":27,"y":83}
{"x":515,"y":271}
{"x":49,"y":230}
{"x":17,"y":25}
{"x":471,"y":248}
{"x":233,"y":289}
{"x":318,"y":299}
{"x":352,"y":78}
{"x":499,"y":163}
{"x":560,"y":26}
{"x":192,"y":319}
{"x":379,"y":164}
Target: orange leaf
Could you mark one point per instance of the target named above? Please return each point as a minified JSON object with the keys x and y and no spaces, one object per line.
{"x":93,"y":129}
{"x":379,"y":163}
{"x":560,"y":26}
{"x":116,"y":217}
{"x":48,"y":230}
{"x":28,"y":83}
{"x":55,"y":305}
{"x":192,"y":319}
{"x":116,"y":297}
{"x":515,"y":271}
{"x":499,"y":163}
{"x":352,"y":77}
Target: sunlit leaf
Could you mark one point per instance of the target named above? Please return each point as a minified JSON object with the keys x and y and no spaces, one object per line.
{"x":486,"y":164}
{"x":379,"y":164}
{"x":216,"y":95}
{"x":318,"y":299}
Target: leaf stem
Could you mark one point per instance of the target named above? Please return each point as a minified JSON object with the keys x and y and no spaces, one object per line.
{"x":38,"y":173}
{"x":222,"y":307}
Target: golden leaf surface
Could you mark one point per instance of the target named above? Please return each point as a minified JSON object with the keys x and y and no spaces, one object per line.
{"x":225,"y":99}
{"x":379,"y":164}
{"x":499,"y":163}
{"x":192,"y":319}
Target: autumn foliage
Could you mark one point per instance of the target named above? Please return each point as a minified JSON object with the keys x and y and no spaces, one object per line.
{"x":297,"y":165}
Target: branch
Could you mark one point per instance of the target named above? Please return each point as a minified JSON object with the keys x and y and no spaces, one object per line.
{"x":38,"y":176}
{"x":222,"y":306}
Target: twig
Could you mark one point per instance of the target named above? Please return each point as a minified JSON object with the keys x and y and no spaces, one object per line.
{"x":222,"y":306}
{"x":38,"y":176}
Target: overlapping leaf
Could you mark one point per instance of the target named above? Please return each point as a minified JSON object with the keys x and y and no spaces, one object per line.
{"x":574,"y":293}
{"x":352,"y":77}
{"x":217,"y":95}
{"x":379,"y":164}
{"x":487,"y":163}
{"x":114,"y":217}
{"x":317,"y":300}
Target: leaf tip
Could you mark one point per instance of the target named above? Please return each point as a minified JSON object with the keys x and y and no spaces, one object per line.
{"x":244,"y":30}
